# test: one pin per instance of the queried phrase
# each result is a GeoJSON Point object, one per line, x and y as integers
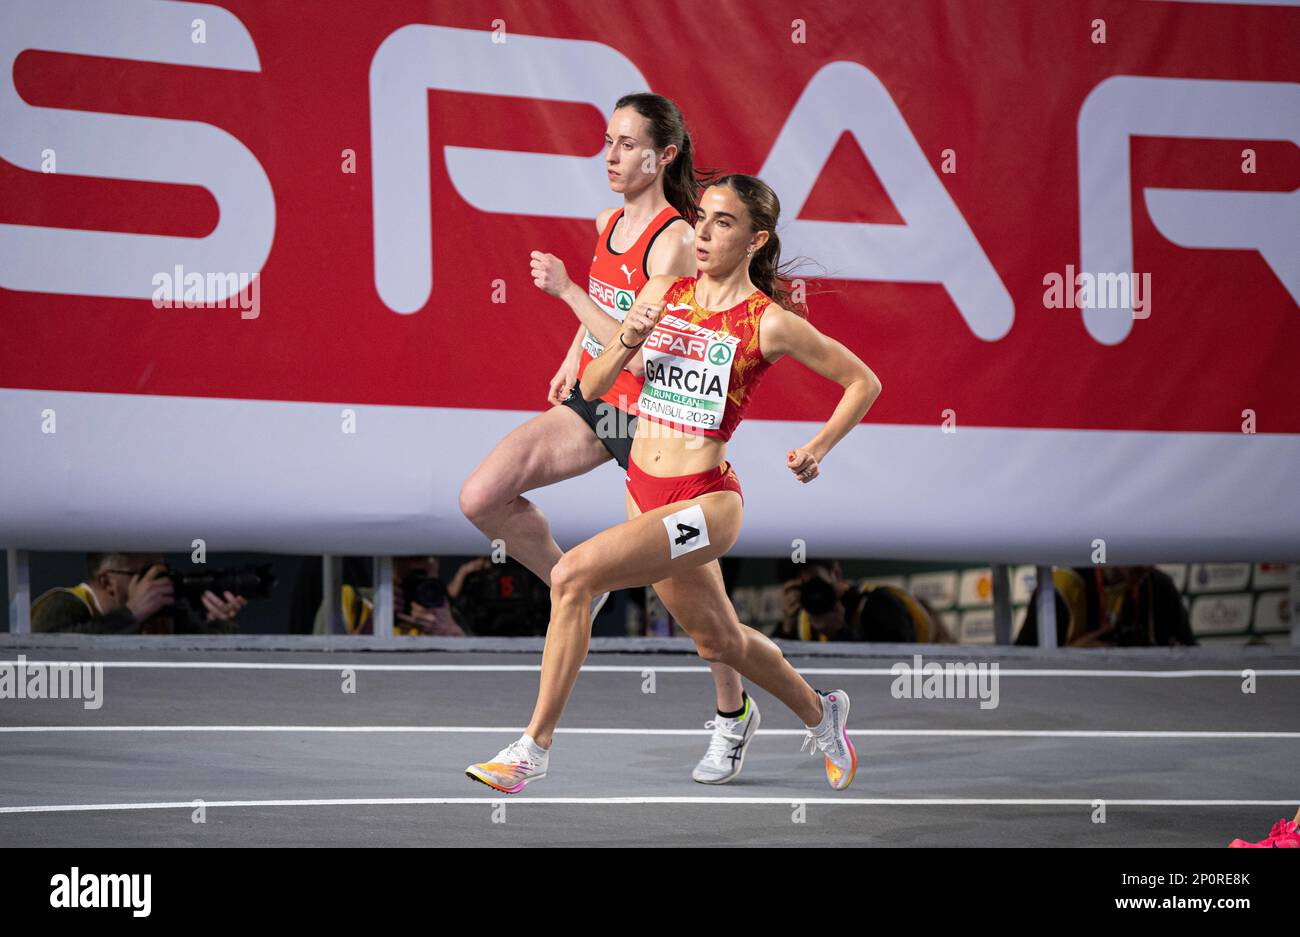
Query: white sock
{"type": "Point", "coordinates": [533, 746]}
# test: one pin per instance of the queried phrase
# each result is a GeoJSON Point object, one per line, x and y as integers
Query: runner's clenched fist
{"type": "Point", "coordinates": [640, 322]}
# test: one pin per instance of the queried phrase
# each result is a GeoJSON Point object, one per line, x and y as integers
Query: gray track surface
{"type": "Point", "coordinates": [50, 767]}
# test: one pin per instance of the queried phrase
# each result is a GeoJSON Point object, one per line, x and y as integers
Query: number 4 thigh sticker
{"type": "Point", "coordinates": [686, 531]}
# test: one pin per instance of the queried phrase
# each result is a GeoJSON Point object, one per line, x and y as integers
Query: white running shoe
{"type": "Point", "coordinates": [831, 738]}
{"type": "Point", "coordinates": [597, 604]}
{"type": "Point", "coordinates": [726, 754]}
{"type": "Point", "coordinates": [514, 766]}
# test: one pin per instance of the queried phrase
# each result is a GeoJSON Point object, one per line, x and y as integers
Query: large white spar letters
{"type": "Point", "coordinates": [118, 146]}
{"type": "Point", "coordinates": [416, 59]}
{"type": "Point", "coordinates": [1126, 106]}
{"type": "Point", "coordinates": [935, 245]}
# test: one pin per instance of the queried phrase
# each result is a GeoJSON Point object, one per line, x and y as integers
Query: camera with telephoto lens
{"type": "Point", "coordinates": [424, 590]}
{"type": "Point", "coordinates": [817, 596]}
{"type": "Point", "coordinates": [252, 581]}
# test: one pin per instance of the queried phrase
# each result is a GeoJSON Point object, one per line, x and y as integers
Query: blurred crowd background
{"type": "Point", "coordinates": [821, 599]}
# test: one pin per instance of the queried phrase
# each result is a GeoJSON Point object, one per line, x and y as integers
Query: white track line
{"type": "Point", "coordinates": [622, 801]}
{"type": "Point", "coordinates": [515, 730]}
{"type": "Point", "coordinates": [611, 668]}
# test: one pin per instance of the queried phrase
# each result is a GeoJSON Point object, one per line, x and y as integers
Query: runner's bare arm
{"type": "Point", "coordinates": [584, 307]}
{"type": "Point", "coordinates": [781, 332]}
{"type": "Point", "coordinates": [575, 347]}
{"type": "Point", "coordinates": [647, 309]}
{"type": "Point", "coordinates": [550, 276]}
{"type": "Point", "coordinates": [591, 316]}
{"type": "Point", "coordinates": [575, 296]}
{"type": "Point", "coordinates": [673, 253]}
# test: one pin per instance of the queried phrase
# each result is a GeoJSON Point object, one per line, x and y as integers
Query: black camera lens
{"type": "Point", "coordinates": [426, 591]}
{"type": "Point", "coordinates": [817, 596]}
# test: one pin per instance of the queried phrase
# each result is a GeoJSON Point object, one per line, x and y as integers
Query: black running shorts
{"type": "Point", "coordinates": [612, 426]}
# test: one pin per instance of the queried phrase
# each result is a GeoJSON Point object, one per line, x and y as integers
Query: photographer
{"type": "Point", "coordinates": [1112, 606]}
{"type": "Point", "coordinates": [421, 600]}
{"type": "Point", "coordinates": [820, 605]}
{"type": "Point", "coordinates": [130, 593]}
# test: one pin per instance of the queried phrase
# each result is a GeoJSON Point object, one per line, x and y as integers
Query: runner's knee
{"type": "Point", "coordinates": [572, 576]}
{"type": "Point", "coordinates": [479, 499]}
{"type": "Point", "coordinates": [719, 641]}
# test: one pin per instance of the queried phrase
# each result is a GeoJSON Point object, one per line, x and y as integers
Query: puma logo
{"type": "Point", "coordinates": [627, 273]}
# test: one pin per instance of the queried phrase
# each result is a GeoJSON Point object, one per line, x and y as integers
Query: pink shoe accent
{"type": "Point", "coordinates": [1284, 835]}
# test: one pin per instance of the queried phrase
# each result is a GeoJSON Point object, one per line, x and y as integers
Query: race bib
{"type": "Point", "coordinates": [614, 301]}
{"type": "Point", "coordinates": [687, 372]}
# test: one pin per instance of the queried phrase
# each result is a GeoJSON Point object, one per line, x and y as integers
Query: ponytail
{"type": "Point", "coordinates": [765, 267]}
{"type": "Point", "coordinates": [683, 182]}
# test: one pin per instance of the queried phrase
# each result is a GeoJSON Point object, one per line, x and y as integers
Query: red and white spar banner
{"type": "Point", "coordinates": [1065, 234]}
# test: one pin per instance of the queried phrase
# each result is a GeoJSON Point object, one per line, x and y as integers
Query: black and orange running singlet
{"type": "Point", "coordinates": [613, 284]}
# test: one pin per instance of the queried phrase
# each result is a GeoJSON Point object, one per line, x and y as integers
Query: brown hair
{"type": "Point", "coordinates": [683, 183]}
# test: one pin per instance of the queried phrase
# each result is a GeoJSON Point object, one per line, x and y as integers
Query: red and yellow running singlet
{"type": "Point", "coordinates": [702, 366]}
{"type": "Point", "coordinates": [613, 284]}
